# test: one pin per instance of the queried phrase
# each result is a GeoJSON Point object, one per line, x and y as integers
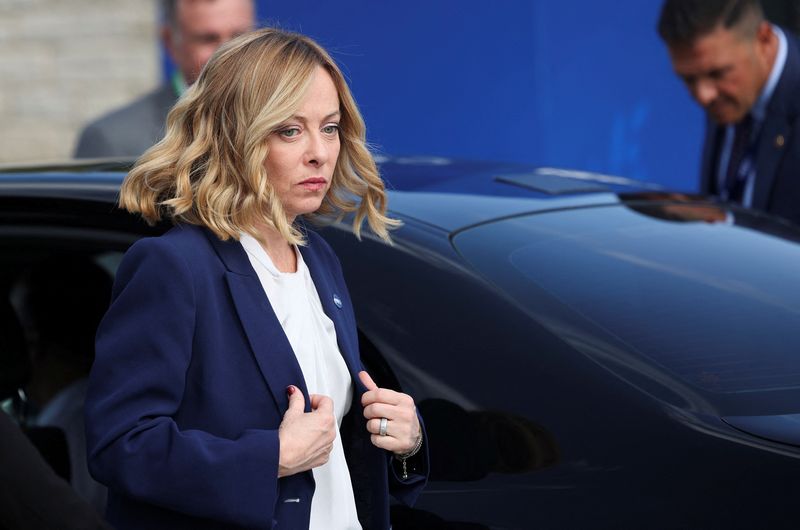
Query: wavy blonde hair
{"type": "Point", "coordinates": [209, 168]}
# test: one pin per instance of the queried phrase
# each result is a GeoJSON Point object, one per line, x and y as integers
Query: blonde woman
{"type": "Point", "coordinates": [227, 389]}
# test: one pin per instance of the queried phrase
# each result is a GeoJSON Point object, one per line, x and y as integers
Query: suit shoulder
{"type": "Point", "coordinates": [183, 254]}
{"type": "Point", "coordinates": [128, 130]}
{"type": "Point", "coordinates": [188, 239]}
{"type": "Point", "coordinates": [159, 98]}
{"type": "Point", "coordinates": [185, 241]}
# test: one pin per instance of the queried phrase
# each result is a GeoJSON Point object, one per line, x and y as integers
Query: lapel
{"type": "Point", "coordinates": [273, 353]}
{"type": "Point", "coordinates": [778, 126]}
{"type": "Point", "coordinates": [330, 291]}
{"type": "Point", "coordinates": [769, 155]}
{"type": "Point", "coordinates": [708, 169]}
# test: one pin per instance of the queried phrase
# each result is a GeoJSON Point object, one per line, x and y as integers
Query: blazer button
{"type": "Point", "coordinates": [337, 301]}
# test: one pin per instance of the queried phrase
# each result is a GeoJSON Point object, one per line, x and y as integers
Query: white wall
{"type": "Point", "coordinates": [63, 62]}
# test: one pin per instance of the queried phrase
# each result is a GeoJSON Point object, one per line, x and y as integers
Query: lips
{"type": "Point", "coordinates": [313, 183]}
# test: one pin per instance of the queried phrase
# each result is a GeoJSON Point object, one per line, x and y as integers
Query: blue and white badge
{"type": "Point", "coordinates": [337, 301]}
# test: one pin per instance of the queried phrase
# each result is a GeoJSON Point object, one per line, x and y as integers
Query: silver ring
{"type": "Point", "coordinates": [384, 425]}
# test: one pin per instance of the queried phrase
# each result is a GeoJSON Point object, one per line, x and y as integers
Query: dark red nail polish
{"type": "Point", "coordinates": [290, 389]}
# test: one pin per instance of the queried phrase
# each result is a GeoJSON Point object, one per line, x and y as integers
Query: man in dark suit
{"type": "Point", "coordinates": [745, 73]}
{"type": "Point", "coordinates": [191, 32]}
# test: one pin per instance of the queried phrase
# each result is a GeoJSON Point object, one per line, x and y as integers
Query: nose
{"type": "Point", "coordinates": [705, 92]}
{"type": "Point", "coordinates": [317, 149]}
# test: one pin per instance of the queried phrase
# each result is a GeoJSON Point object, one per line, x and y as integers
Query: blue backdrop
{"type": "Point", "coordinates": [574, 83]}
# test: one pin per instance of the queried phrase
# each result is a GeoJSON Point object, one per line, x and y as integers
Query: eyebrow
{"type": "Point", "coordinates": [328, 117]}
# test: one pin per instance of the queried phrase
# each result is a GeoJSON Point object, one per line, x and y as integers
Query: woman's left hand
{"type": "Point", "coordinates": [402, 425]}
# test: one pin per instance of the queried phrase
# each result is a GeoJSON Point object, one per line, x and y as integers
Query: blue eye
{"type": "Point", "coordinates": [289, 133]}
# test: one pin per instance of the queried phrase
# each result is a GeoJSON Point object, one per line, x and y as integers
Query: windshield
{"type": "Point", "coordinates": [715, 303]}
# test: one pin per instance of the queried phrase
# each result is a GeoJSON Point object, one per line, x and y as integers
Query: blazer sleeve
{"type": "Point", "coordinates": [143, 350]}
{"type": "Point", "coordinates": [418, 467]}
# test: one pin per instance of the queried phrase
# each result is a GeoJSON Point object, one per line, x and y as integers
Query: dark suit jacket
{"type": "Point", "coordinates": [189, 387]}
{"type": "Point", "coordinates": [128, 131]}
{"type": "Point", "coordinates": [777, 186]}
{"type": "Point", "coordinates": [32, 496]}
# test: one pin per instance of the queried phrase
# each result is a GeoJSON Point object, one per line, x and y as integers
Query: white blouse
{"type": "Point", "coordinates": [313, 338]}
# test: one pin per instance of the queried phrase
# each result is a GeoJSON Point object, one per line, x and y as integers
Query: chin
{"type": "Point", "coordinates": [723, 119]}
{"type": "Point", "coordinates": [307, 208]}
{"type": "Point", "coordinates": [727, 116]}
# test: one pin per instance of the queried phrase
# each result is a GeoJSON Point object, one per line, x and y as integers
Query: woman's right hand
{"type": "Point", "coordinates": [306, 438]}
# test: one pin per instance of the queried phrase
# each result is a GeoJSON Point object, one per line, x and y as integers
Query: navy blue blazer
{"type": "Point", "coordinates": [189, 387]}
{"type": "Point", "coordinates": [777, 186]}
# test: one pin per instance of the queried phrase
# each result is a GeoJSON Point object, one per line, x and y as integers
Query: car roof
{"type": "Point", "coordinates": [454, 194]}
{"type": "Point", "coordinates": [442, 192]}
{"type": "Point", "coordinates": [96, 180]}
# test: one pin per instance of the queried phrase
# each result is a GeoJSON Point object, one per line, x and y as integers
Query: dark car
{"type": "Point", "coordinates": [586, 351]}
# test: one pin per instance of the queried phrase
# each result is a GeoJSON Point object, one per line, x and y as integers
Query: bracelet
{"type": "Point", "coordinates": [402, 458]}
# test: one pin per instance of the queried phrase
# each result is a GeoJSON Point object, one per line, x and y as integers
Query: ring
{"type": "Point", "coordinates": [384, 425]}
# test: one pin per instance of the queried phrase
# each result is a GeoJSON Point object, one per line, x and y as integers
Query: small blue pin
{"type": "Point", "coordinates": [337, 301]}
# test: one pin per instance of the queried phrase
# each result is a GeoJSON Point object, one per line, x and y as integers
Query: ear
{"type": "Point", "coordinates": [766, 44]}
{"type": "Point", "coordinates": [764, 35]}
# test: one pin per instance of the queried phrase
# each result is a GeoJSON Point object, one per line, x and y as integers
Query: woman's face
{"type": "Point", "coordinates": [303, 150]}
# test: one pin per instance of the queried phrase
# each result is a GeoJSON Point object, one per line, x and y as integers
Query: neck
{"type": "Point", "coordinates": [278, 249]}
{"type": "Point", "coordinates": [772, 51]}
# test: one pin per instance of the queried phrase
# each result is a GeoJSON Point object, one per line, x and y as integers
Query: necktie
{"type": "Point", "coordinates": [736, 178]}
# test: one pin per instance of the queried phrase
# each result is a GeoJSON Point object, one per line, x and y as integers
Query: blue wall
{"type": "Point", "coordinates": [573, 83]}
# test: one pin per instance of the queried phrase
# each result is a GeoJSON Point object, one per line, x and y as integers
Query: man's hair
{"type": "Point", "coordinates": [209, 168]}
{"type": "Point", "coordinates": [169, 13]}
{"type": "Point", "coordinates": [682, 22]}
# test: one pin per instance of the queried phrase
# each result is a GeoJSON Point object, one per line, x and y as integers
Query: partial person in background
{"type": "Point", "coordinates": [192, 30]}
{"type": "Point", "coordinates": [745, 73]}
{"type": "Point", "coordinates": [32, 496]}
{"type": "Point", "coordinates": [60, 303]}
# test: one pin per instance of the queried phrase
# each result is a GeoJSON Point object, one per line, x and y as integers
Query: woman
{"type": "Point", "coordinates": [228, 360]}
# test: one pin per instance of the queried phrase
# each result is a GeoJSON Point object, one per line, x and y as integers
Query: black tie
{"type": "Point", "coordinates": [735, 179]}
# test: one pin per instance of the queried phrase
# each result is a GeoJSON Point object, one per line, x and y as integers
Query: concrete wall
{"type": "Point", "coordinates": [63, 62]}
